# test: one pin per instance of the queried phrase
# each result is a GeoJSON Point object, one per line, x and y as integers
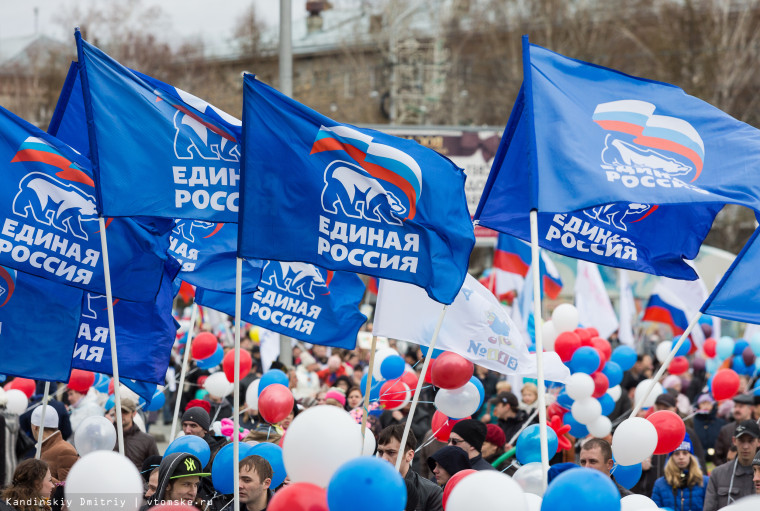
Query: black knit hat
{"type": "Point", "coordinates": [472, 431]}
{"type": "Point", "coordinates": [199, 416]}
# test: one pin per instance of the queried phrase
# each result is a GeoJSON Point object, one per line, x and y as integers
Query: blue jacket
{"type": "Point", "coordinates": [683, 499]}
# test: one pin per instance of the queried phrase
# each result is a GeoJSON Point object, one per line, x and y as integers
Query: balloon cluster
{"type": "Point", "coordinates": [271, 396]}
{"type": "Point", "coordinates": [727, 359]}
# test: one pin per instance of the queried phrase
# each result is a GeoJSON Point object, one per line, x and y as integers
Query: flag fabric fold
{"type": "Point", "coordinates": [675, 303]}
{"type": "Point", "coordinates": [592, 301]}
{"type": "Point", "coordinates": [627, 309]}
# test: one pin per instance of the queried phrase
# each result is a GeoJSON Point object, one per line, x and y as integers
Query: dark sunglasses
{"type": "Point", "coordinates": [454, 441]}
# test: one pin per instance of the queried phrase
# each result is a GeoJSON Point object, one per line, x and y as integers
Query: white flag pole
{"type": "Point", "coordinates": [45, 397]}
{"type": "Point", "coordinates": [236, 393]}
{"type": "Point", "coordinates": [368, 386]}
{"type": "Point", "coordinates": [112, 335]}
{"type": "Point", "coordinates": [543, 439]}
{"type": "Point", "coordinates": [183, 371]}
{"type": "Point", "coordinates": [420, 381]}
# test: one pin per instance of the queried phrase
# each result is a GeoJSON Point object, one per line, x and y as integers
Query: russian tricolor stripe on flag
{"type": "Point", "coordinates": [660, 311]}
{"type": "Point", "coordinates": [511, 255]}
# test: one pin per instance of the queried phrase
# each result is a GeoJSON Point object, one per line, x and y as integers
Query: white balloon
{"type": "Point", "coordinates": [370, 444]}
{"type": "Point", "coordinates": [663, 350]}
{"type": "Point", "coordinates": [3, 398]}
{"type": "Point", "coordinates": [217, 385]}
{"type": "Point", "coordinates": [615, 392]}
{"type": "Point", "coordinates": [16, 401]}
{"type": "Point", "coordinates": [634, 440]}
{"type": "Point", "coordinates": [579, 386]}
{"type": "Point", "coordinates": [381, 355]}
{"type": "Point", "coordinates": [641, 389]}
{"type": "Point", "coordinates": [487, 489]}
{"type": "Point", "coordinates": [319, 441]}
{"type": "Point", "coordinates": [549, 335]}
{"type": "Point", "coordinates": [750, 503]}
{"type": "Point", "coordinates": [534, 502]}
{"type": "Point", "coordinates": [530, 477]}
{"type": "Point", "coordinates": [100, 476]}
{"type": "Point", "coordinates": [458, 403]}
{"type": "Point", "coordinates": [587, 410]}
{"type": "Point", "coordinates": [565, 318]}
{"type": "Point", "coordinates": [95, 433]}
{"type": "Point", "coordinates": [252, 394]}
{"type": "Point", "coordinates": [635, 502]}
{"type": "Point", "coordinates": [601, 427]}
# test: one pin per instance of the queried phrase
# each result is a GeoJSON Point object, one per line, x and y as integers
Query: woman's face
{"type": "Point", "coordinates": [529, 397]}
{"type": "Point", "coordinates": [47, 485]}
{"type": "Point", "coordinates": [285, 423]}
{"type": "Point", "coordinates": [488, 449]}
{"type": "Point", "coordinates": [682, 459]}
{"type": "Point", "coordinates": [354, 399]}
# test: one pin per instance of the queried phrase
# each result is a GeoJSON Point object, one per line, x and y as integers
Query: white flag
{"type": "Point", "coordinates": [591, 300]}
{"type": "Point", "coordinates": [475, 326]}
{"type": "Point", "coordinates": [627, 309]}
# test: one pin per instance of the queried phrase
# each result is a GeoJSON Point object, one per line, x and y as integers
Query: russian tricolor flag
{"type": "Point", "coordinates": [665, 306]}
{"type": "Point", "coordinates": [511, 261]}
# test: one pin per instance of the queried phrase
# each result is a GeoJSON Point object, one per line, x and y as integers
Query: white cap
{"type": "Point", "coordinates": [51, 417]}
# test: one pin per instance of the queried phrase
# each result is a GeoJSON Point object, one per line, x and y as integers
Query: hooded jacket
{"type": "Point", "coordinates": [165, 471]}
{"type": "Point", "coordinates": [452, 459]}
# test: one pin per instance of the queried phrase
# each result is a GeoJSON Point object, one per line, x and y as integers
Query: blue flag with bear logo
{"type": "Point", "coordinates": [623, 171]}
{"type": "Point", "coordinates": [49, 219]}
{"type": "Point", "coordinates": [38, 326]}
{"type": "Point", "coordinates": [349, 199]}
{"type": "Point", "coordinates": [156, 150]}
{"type": "Point", "coordinates": [300, 300]}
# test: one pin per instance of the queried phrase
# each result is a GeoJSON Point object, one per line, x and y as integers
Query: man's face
{"type": "Point", "coordinates": [152, 484]}
{"type": "Point", "coordinates": [458, 441]}
{"type": "Point", "coordinates": [183, 489]}
{"type": "Point", "coordinates": [500, 409]}
{"type": "Point", "coordinates": [127, 418]}
{"type": "Point", "coordinates": [251, 485]}
{"type": "Point", "coordinates": [742, 412]}
{"type": "Point", "coordinates": [592, 458]}
{"type": "Point", "coordinates": [441, 476]}
{"type": "Point", "coordinates": [390, 451]}
{"type": "Point", "coordinates": [193, 428]}
{"type": "Point", "coordinates": [756, 477]}
{"type": "Point", "coordinates": [746, 446]}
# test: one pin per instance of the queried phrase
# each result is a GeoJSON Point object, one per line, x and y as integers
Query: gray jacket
{"type": "Point", "coordinates": [720, 482]}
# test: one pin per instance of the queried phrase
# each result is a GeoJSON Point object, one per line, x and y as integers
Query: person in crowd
{"type": "Point", "coordinates": [64, 421]}
{"type": "Point", "coordinates": [469, 435]}
{"type": "Point", "coordinates": [707, 424]}
{"type": "Point", "coordinates": [255, 478]}
{"type": "Point", "coordinates": [343, 383]}
{"type": "Point", "coordinates": [756, 472]}
{"type": "Point", "coordinates": [178, 480]}
{"type": "Point", "coordinates": [138, 446]}
{"type": "Point", "coordinates": [220, 408]}
{"type": "Point", "coordinates": [30, 488]}
{"type": "Point", "coordinates": [641, 370]}
{"type": "Point", "coordinates": [446, 462]}
{"type": "Point", "coordinates": [307, 379]}
{"type": "Point", "coordinates": [731, 481]}
{"type": "Point", "coordinates": [742, 411]}
{"type": "Point", "coordinates": [149, 473]}
{"type": "Point", "coordinates": [529, 394]}
{"type": "Point", "coordinates": [596, 453]}
{"type": "Point", "coordinates": [430, 445]}
{"type": "Point", "coordinates": [683, 485]}
{"type": "Point", "coordinates": [59, 455]}
{"type": "Point", "coordinates": [489, 380]}
{"type": "Point", "coordinates": [673, 386]}
{"type": "Point", "coordinates": [335, 397]}
{"type": "Point", "coordinates": [510, 418]}
{"type": "Point", "coordinates": [422, 494]}
{"type": "Point", "coordinates": [333, 371]}
{"type": "Point", "coordinates": [82, 405]}
{"type": "Point", "coordinates": [196, 421]}
{"type": "Point", "coordinates": [493, 446]}
{"type": "Point", "coordinates": [354, 398]}
{"type": "Point", "coordinates": [667, 402]}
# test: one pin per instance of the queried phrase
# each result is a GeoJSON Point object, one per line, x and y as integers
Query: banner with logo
{"type": "Point", "coordinates": [156, 150]}
{"type": "Point", "coordinates": [300, 300]}
{"type": "Point", "coordinates": [145, 333]}
{"type": "Point", "coordinates": [624, 171]}
{"type": "Point", "coordinates": [49, 219]}
{"type": "Point", "coordinates": [349, 199]}
{"type": "Point", "coordinates": [38, 326]}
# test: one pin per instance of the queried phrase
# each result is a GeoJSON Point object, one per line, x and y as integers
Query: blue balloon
{"type": "Point", "coordinates": [424, 349]}
{"type": "Point", "coordinates": [577, 429]}
{"type": "Point", "coordinates": [756, 390]}
{"type": "Point", "coordinates": [724, 347]}
{"type": "Point", "coordinates": [628, 476]}
{"type": "Point", "coordinates": [581, 488]}
{"type": "Point", "coordinates": [191, 444]}
{"type": "Point", "coordinates": [101, 382]}
{"type": "Point", "coordinates": [273, 454]}
{"type": "Point", "coordinates": [374, 394]}
{"type": "Point", "coordinates": [624, 356]}
{"type": "Point", "coordinates": [684, 349]}
{"type": "Point", "coordinates": [212, 361]}
{"type": "Point", "coordinates": [109, 402]}
{"type": "Point", "coordinates": [222, 470]}
{"type": "Point", "coordinates": [613, 372]}
{"type": "Point", "coordinates": [585, 360]}
{"type": "Point", "coordinates": [392, 367]}
{"type": "Point", "coordinates": [158, 401]}
{"type": "Point", "coordinates": [272, 376]}
{"type": "Point", "coordinates": [4, 377]}
{"type": "Point", "coordinates": [529, 446]}
{"type": "Point", "coordinates": [564, 400]}
{"type": "Point", "coordinates": [480, 388]}
{"type": "Point", "coordinates": [370, 481]}
{"type": "Point", "coordinates": [739, 347]}
{"type": "Point", "coordinates": [712, 365]}
{"type": "Point", "coordinates": [608, 404]}
{"type": "Point", "coordinates": [705, 320]}
{"type": "Point", "coordinates": [754, 345]}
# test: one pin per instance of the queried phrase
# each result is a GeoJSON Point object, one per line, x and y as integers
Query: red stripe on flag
{"type": "Point", "coordinates": [661, 315]}
{"type": "Point", "coordinates": [510, 262]}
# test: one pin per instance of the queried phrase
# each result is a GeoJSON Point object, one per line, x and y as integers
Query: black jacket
{"type": "Point", "coordinates": [422, 495]}
{"type": "Point", "coordinates": [707, 427]}
{"type": "Point", "coordinates": [451, 458]}
{"type": "Point", "coordinates": [478, 463]}
{"type": "Point", "coordinates": [512, 425]}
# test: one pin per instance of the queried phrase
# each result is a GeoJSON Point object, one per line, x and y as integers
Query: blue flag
{"type": "Point", "coordinates": [623, 171]}
{"type": "Point", "coordinates": [735, 297]}
{"type": "Point", "coordinates": [351, 199]}
{"type": "Point", "coordinates": [301, 301]}
{"type": "Point", "coordinates": [145, 333]}
{"type": "Point", "coordinates": [207, 252]}
{"type": "Point", "coordinates": [181, 153]}
{"type": "Point", "coordinates": [38, 326]}
{"type": "Point", "coordinates": [49, 220]}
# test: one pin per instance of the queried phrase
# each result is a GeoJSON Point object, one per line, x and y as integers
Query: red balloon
{"type": "Point", "coordinates": [410, 379]}
{"type": "Point", "coordinates": [27, 386]}
{"type": "Point", "coordinates": [593, 331]}
{"type": "Point", "coordinates": [709, 347]}
{"type": "Point", "coordinates": [453, 482]}
{"type": "Point", "coordinates": [275, 403]}
{"type": "Point", "coordinates": [725, 384]}
{"type": "Point", "coordinates": [584, 335]}
{"type": "Point", "coordinates": [299, 497]}
{"type": "Point", "coordinates": [451, 370]}
{"type": "Point", "coordinates": [603, 345]}
{"type": "Point", "coordinates": [442, 426]}
{"type": "Point", "coordinates": [110, 386]}
{"type": "Point", "coordinates": [203, 345]}
{"type": "Point", "coordinates": [228, 364]}
{"type": "Point", "coordinates": [81, 381]}
{"type": "Point", "coordinates": [555, 410]}
{"type": "Point", "coordinates": [670, 430]}
{"type": "Point", "coordinates": [393, 393]}
{"type": "Point", "coordinates": [678, 365]}
{"type": "Point", "coordinates": [429, 372]}
{"type": "Point", "coordinates": [566, 344]}
{"type": "Point", "coordinates": [601, 384]}
{"type": "Point", "coordinates": [201, 380]}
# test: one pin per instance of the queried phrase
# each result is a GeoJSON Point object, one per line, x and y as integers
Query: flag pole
{"type": "Point", "coordinates": [183, 371]}
{"type": "Point", "coordinates": [236, 393]}
{"type": "Point", "coordinates": [420, 381]}
{"type": "Point", "coordinates": [664, 366]}
{"type": "Point", "coordinates": [368, 386]}
{"type": "Point", "coordinates": [45, 397]}
{"type": "Point", "coordinates": [112, 335]}
{"type": "Point", "coordinates": [537, 298]}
